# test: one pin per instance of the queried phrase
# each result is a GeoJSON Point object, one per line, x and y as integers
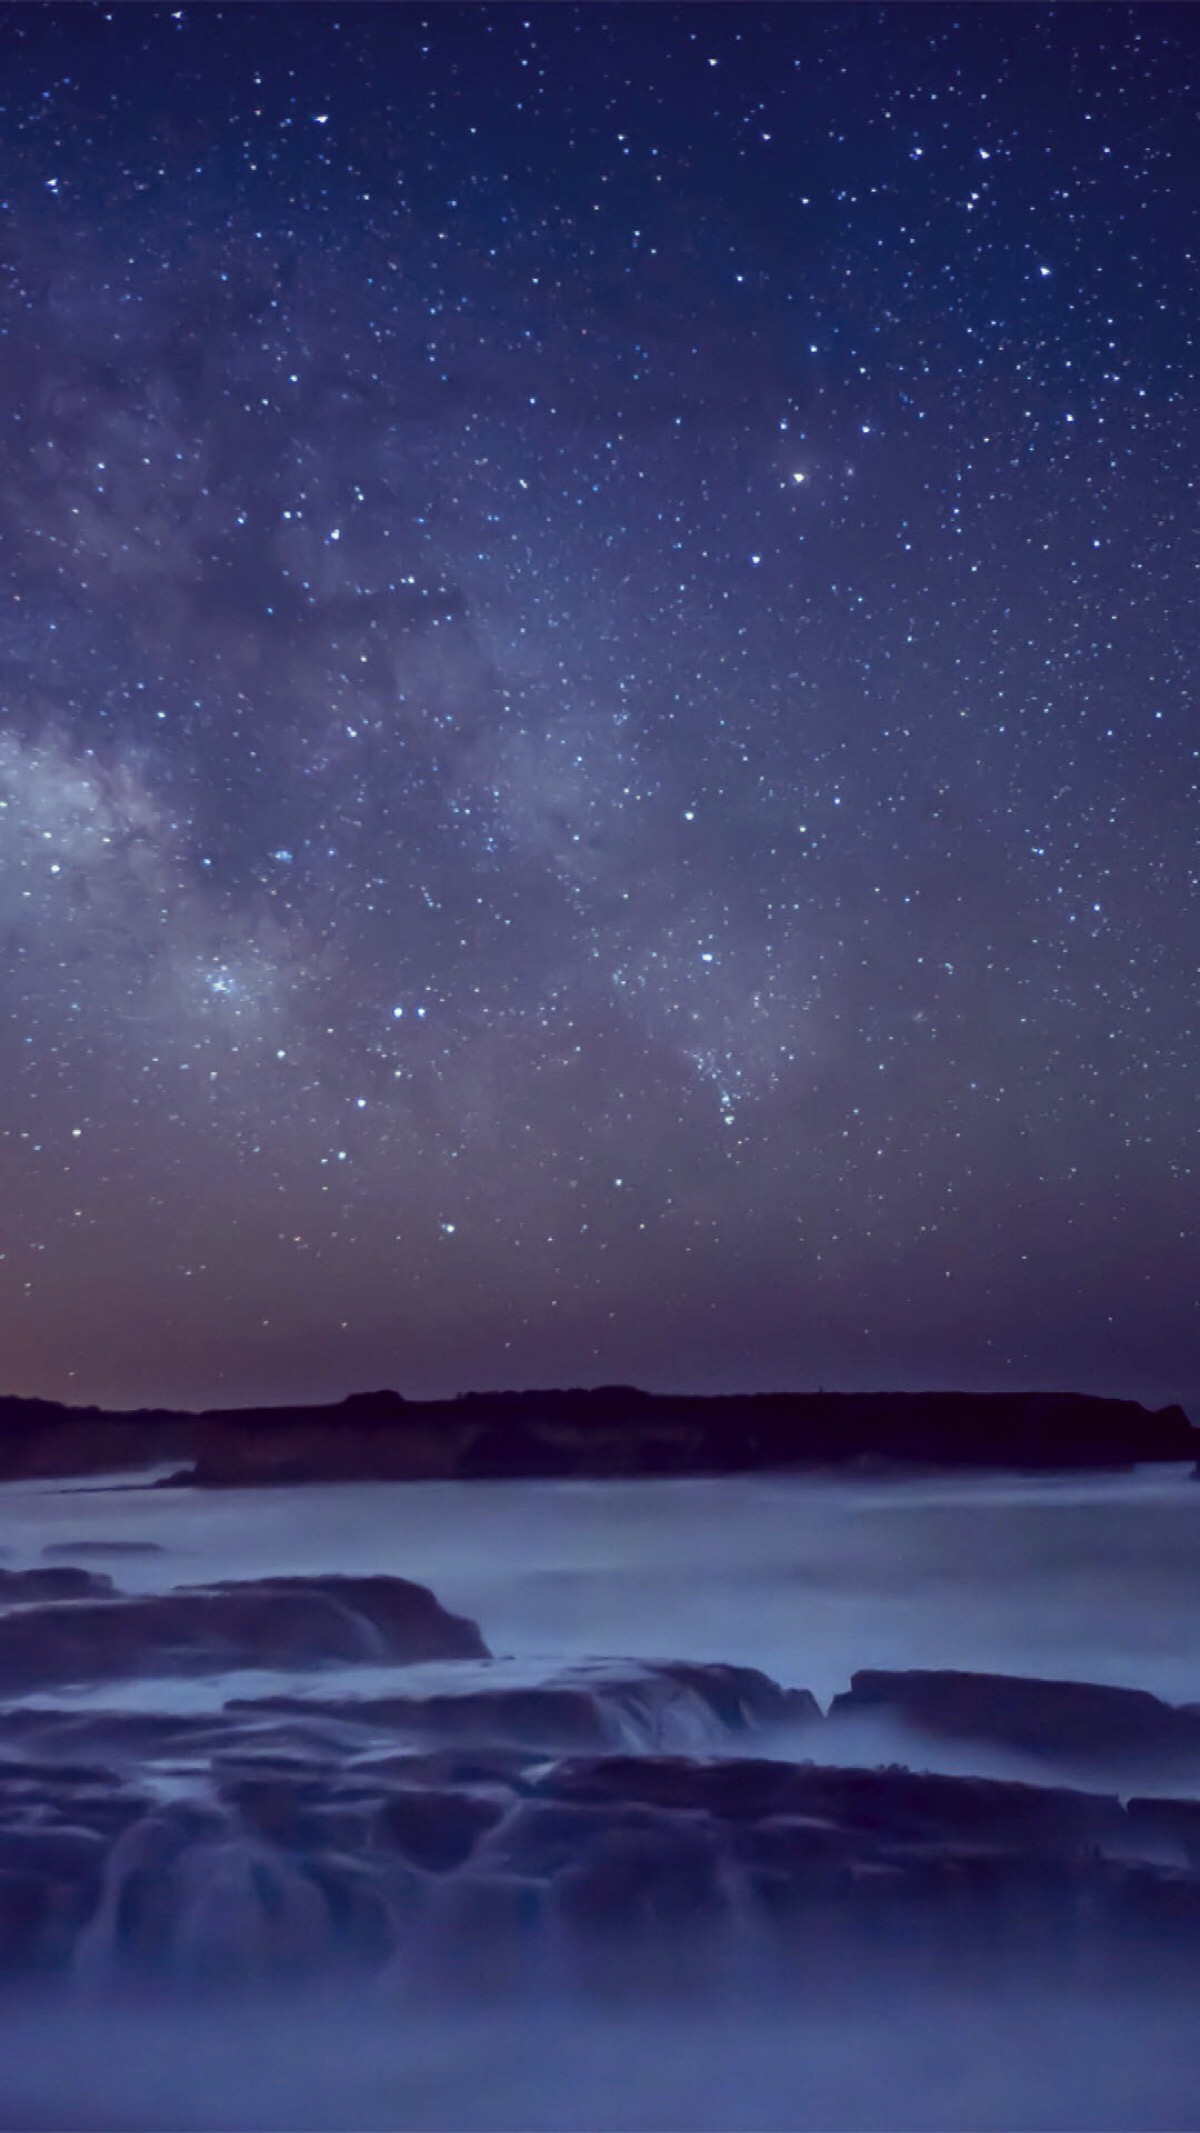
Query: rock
{"type": "Point", "coordinates": [408, 1622]}
{"type": "Point", "coordinates": [620, 1863]}
{"type": "Point", "coordinates": [268, 1622]}
{"type": "Point", "coordinates": [25, 1900]}
{"type": "Point", "coordinates": [741, 1697]}
{"type": "Point", "coordinates": [631, 1868]}
{"type": "Point", "coordinates": [244, 1910]}
{"type": "Point", "coordinates": [191, 1898]}
{"type": "Point", "coordinates": [499, 1771]}
{"type": "Point", "coordinates": [608, 1704]}
{"type": "Point", "coordinates": [542, 1838]}
{"type": "Point", "coordinates": [1172, 1825]}
{"type": "Point", "coordinates": [435, 1830]}
{"type": "Point", "coordinates": [21, 1588]}
{"type": "Point", "coordinates": [300, 1811]}
{"type": "Point", "coordinates": [1143, 1926]}
{"type": "Point", "coordinates": [50, 1881]}
{"type": "Point", "coordinates": [484, 1934]}
{"type": "Point", "coordinates": [1073, 1720]}
{"type": "Point", "coordinates": [878, 1810]}
{"type": "Point", "coordinates": [122, 1736]}
{"type": "Point", "coordinates": [553, 1718]}
{"type": "Point", "coordinates": [369, 1912]}
{"type": "Point", "coordinates": [58, 1851]}
{"type": "Point", "coordinates": [665, 1874]}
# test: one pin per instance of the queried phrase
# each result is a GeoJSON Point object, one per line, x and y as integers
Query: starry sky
{"type": "Point", "coordinates": [598, 744]}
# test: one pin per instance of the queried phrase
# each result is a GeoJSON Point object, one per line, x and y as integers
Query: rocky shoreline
{"type": "Point", "coordinates": [467, 1826]}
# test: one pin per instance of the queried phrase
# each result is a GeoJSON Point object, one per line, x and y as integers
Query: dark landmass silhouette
{"type": "Point", "coordinates": [607, 1431]}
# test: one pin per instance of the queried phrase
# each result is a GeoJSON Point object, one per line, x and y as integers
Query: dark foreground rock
{"type": "Point", "coordinates": [18, 1588]}
{"type": "Point", "coordinates": [886, 1809]}
{"type": "Point", "coordinates": [1171, 1827]}
{"type": "Point", "coordinates": [643, 1705]}
{"type": "Point", "coordinates": [618, 1823]}
{"type": "Point", "coordinates": [1072, 1721]}
{"type": "Point", "coordinates": [268, 1622]}
{"type": "Point", "coordinates": [607, 1868]}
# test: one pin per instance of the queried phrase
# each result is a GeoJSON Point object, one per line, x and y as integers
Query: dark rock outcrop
{"type": "Point", "coordinates": [893, 1809]}
{"type": "Point", "coordinates": [635, 1705]}
{"type": "Point", "coordinates": [1073, 1721]}
{"type": "Point", "coordinates": [268, 1622]}
{"type": "Point", "coordinates": [19, 1588]}
{"type": "Point", "coordinates": [270, 1861]}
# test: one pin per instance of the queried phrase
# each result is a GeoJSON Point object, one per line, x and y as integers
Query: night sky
{"type": "Point", "coordinates": [598, 744]}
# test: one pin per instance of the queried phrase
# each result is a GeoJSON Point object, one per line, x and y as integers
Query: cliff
{"type": "Point", "coordinates": [602, 1431]}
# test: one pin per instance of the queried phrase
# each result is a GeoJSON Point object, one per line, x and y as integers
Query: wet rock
{"type": "Point", "coordinates": [25, 1898]}
{"type": "Point", "coordinates": [623, 1883]}
{"type": "Point", "coordinates": [404, 1621]}
{"type": "Point", "coordinates": [435, 1830]}
{"type": "Point", "coordinates": [1073, 1720]}
{"type": "Point", "coordinates": [298, 1811]}
{"type": "Point", "coordinates": [20, 1588]}
{"type": "Point", "coordinates": [876, 1808]}
{"type": "Point", "coordinates": [1172, 1825]}
{"type": "Point", "coordinates": [494, 1769]}
{"type": "Point", "coordinates": [29, 1773]}
{"type": "Point", "coordinates": [61, 1851]}
{"type": "Point", "coordinates": [189, 1897]}
{"type": "Point", "coordinates": [484, 1934]}
{"type": "Point", "coordinates": [554, 1717]}
{"type": "Point", "coordinates": [370, 1913]}
{"type": "Point", "coordinates": [740, 1696]}
{"type": "Point", "coordinates": [246, 1910]}
{"type": "Point", "coordinates": [122, 1737]}
{"type": "Point", "coordinates": [1143, 1926]}
{"type": "Point", "coordinates": [517, 1721]}
{"type": "Point", "coordinates": [50, 1882]}
{"type": "Point", "coordinates": [542, 1838]}
{"type": "Point", "coordinates": [633, 1878]}
{"type": "Point", "coordinates": [608, 1705]}
{"type": "Point", "coordinates": [268, 1622]}
{"type": "Point", "coordinates": [55, 1805]}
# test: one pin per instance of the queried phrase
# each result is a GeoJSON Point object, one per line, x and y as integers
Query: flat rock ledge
{"type": "Point", "coordinates": [621, 1825]}
{"type": "Point", "coordinates": [84, 1632]}
{"type": "Point", "coordinates": [1071, 1721]}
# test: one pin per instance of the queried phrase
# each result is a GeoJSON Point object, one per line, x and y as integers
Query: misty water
{"type": "Point", "coordinates": [807, 1578]}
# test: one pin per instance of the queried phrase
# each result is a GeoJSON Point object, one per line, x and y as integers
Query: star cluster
{"type": "Point", "coordinates": [598, 750]}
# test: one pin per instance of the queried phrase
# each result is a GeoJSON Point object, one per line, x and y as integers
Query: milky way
{"type": "Point", "coordinates": [598, 750]}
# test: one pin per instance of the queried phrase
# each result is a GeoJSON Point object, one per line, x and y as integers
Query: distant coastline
{"type": "Point", "coordinates": [608, 1431]}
